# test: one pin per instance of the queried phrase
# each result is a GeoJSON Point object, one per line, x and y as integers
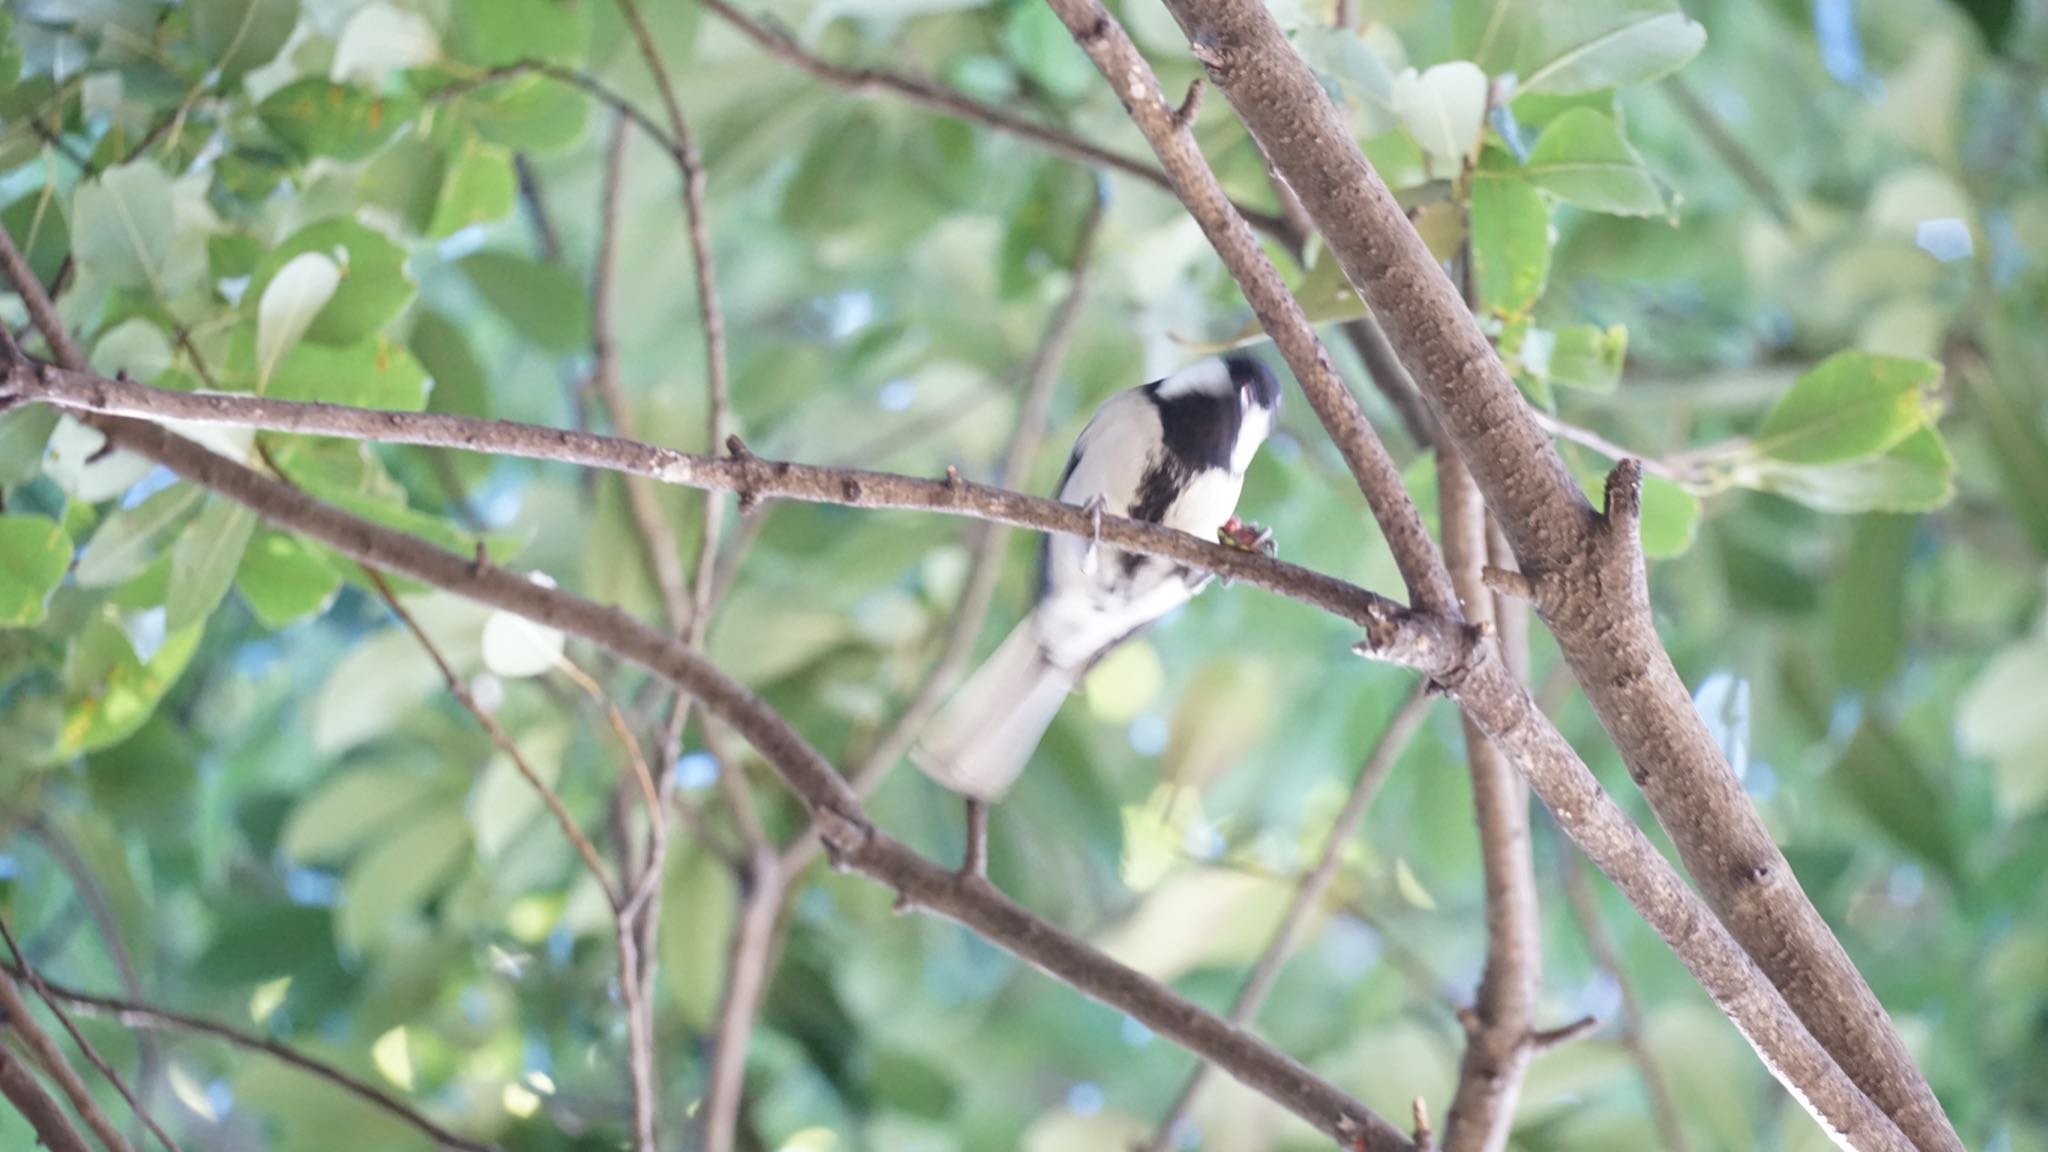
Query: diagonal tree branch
{"type": "Point", "coordinates": [34, 980]}
{"type": "Point", "coordinates": [1251, 995]}
{"type": "Point", "coordinates": [53, 1128]}
{"type": "Point", "coordinates": [15, 1017]}
{"type": "Point", "coordinates": [1586, 569]}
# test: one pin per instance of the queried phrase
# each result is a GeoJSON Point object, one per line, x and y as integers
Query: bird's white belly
{"type": "Point", "coordinates": [1209, 500]}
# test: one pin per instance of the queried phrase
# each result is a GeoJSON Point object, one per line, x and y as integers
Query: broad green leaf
{"type": "Point", "coordinates": [294, 296]}
{"type": "Point", "coordinates": [2019, 446]}
{"type": "Point", "coordinates": [1510, 244]}
{"type": "Point", "coordinates": [544, 303]}
{"type": "Point", "coordinates": [503, 803]}
{"type": "Point", "coordinates": [2001, 719]}
{"type": "Point", "coordinates": [1852, 406]}
{"type": "Point", "coordinates": [1917, 475]}
{"type": "Point", "coordinates": [491, 33]}
{"type": "Point", "coordinates": [111, 691]}
{"type": "Point", "coordinates": [381, 39]}
{"type": "Point", "coordinates": [204, 562]}
{"type": "Point", "coordinates": [479, 189]}
{"type": "Point", "coordinates": [282, 579]}
{"type": "Point", "coordinates": [1561, 47]}
{"type": "Point", "coordinates": [1869, 608]}
{"type": "Point", "coordinates": [373, 374]}
{"type": "Point", "coordinates": [1671, 518]}
{"type": "Point", "coordinates": [1582, 159]}
{"type": "Point", "coordinates": [1582, 356]}
{"type": "Point", "coordinates": [354, 809]}
{"type": "Point", "coordinates": [693, 961]}
{"type": "Point", "coordinates": [1348, 66]}
{"type": "Point", "coordinates": [444, 351]}
{"type": "Point", "coordinates": [23, 434]}
{"type": "Point", "coordinates": [34, 555]}
{"type": "Point", "coordinates": [37, 224]}
{"type": "Point", "coordinates": [528, 114]}
{"type": "Point", "coordinates": [1882, 778]}
{"type": "Point", "coordinates": [385, 676]}
{"type": "Point", "coordinates": [1034, 37]}
{"type": "Point", "coordinates": [10, 54]}
{"type": "Point", "coordinates": [405, 180]}
{"type": "Point", "coordinates": [390, 882]}
{"type": "Point", "coordinates": [127, 541]}
{"type": "Point", "coordinates": [1443, 109]}
{"type": "Point", "coordinates": [1196, 917]}
{"type": "Point", "coordinates": [122, 225]}
{"type": "Point", "coordinates": [374, 286]}
{"type": "Point", "coordinates": [315, 117]}
{"type": "Point", "coordinates": [239, 36]}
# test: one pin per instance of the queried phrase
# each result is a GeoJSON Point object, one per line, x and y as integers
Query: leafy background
{"type": "Point", "coordinates": [217, 748]}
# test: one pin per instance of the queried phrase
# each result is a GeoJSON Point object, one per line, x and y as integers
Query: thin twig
{"type": "Point", "coordinates": [136, 1014]}
{"type": "Point", "coordinates": [1587, 438]}
{"type": "Point", "coordinates": [30, 977]}
{"type": "Point", "coordinates": [1401, 728]}
{"type": "Point", "coordinates": [1728, 148]}
{"type": "Point", "coordinates": [499, 737]}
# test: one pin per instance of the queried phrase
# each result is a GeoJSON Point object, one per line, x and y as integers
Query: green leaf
{"type": "Point", "coordinates": [239, 36]}
{"type": "Point", "coordinates": [10, 53]}
{"type": "Point", "coordinates": [131, 538]}
{"type": "Point", "coordinates": [1582, 356]}
{"type": "Point", "coordinates": [1510, 244]}
{"type": "Point", "coordinates": [203, 563]}
{"type": "Point", "coordinates": [529, 114]}
{"type": "Point", "coordinates": [1443, 110]}
{"type": "Point", "coordinates": [374, 374]}
{"type": "Point", "coordinates": [1869, 624]}
{"type": "Point", "coordinates": [121, 225]}
{"type": "Point", "coordinates": [1917, 475]}
{"type": "Point", "coordinates": [695, 959]}
{"type": "Point", "coordinates": [1561, 47]}
{"type": "Point", "coordinates": [294, 296]}
{"type": "Point", "coordinates": [444, 351]}
{"type": "Point", "coordinates": [353, 810]}
{"type": "Point", "coordinates": [398, 874]}
{"type": "Point", "coordinates": [1582, 159]}
{"type": "Point", "coordinates": [23, 434]}
{"type": "Point", "coordinates": [1043, 48]}
{"type": "Point", "coordinates": [34, 555]}
{"type": "Point", "coordinates": [374, 285]}
{"type": "Point", "coordinates": [36, 223]}
{"type": "Point", "coordinates": [110, 691]}
{"type": "Point", "coordinates": [2001, 719]}
{"type": "Point", "coordinates": [405, 180]}
{"type": "Point", "coordinates": [490, 33]}
{"type": "Point", "coordinates": [480, 188]}
{"type": "Point", "coordinates": [1886, 782]}
{"type": "Point", "coordinates": [503, 803]}
{"type": "Point", "coordinates": [1853, 405]}
{"type": "Point", "coordinates": [316, 117]}
{"type": "Point", "coordinates": [1670, 518]}
{"type": "Point", "coordinates": [282, 579]}
{"type": "Point", "coordinates": [544, 303]}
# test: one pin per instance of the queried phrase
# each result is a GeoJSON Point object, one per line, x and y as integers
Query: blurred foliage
{"type": "Point", "coordinates": [1808, 282]}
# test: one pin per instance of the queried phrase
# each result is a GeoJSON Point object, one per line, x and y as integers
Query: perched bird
{"type": "Point", "coordinates": [1172, 452]}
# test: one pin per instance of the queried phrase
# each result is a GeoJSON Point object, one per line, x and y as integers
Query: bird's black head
{"type": "Point", "coordinates": [1255, 381]}
{"type": "Point", "coordinates": [1216, 412]}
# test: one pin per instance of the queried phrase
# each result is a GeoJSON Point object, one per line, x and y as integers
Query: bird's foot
{"type": "Point", "coordinates": [1247, 537]}
{"type": "Point", "coordinates": [1091, 557]}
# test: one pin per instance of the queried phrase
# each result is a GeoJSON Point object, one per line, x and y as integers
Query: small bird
{"type": "Point", "coordinates": [1172, 452]}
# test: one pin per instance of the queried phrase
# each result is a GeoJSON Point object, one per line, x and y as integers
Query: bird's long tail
{"type": "Point", "coordinates": [981, 740]}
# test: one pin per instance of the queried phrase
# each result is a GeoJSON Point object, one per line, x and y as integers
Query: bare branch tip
{"type": "Point", "coordinates": [1508, 582]}
{"type": "Point", "coordinates": [1625, 493]}
{"type": "Point", "coordinates": [1549, 1038]}
{"type": "Point", "coordinates": [1190, 105]}
{"type": "Point", "coordinates": [1425, 1138]}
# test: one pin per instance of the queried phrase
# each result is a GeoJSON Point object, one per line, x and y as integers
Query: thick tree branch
{"type": "Point", "coordinates": [135, 1014]}
{"type": "Point", "coordinates": [1597, 606]}
{"type": "Point", "coordinates": [54, 1129]}
{"type": "Point", "coordinates": [1401, 728]}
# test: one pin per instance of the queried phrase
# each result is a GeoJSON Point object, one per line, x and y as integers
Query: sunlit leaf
{"type": "Point", "coordinates": [129, 539]}
{"type": "Point", "coordinates": [1583, 159]}
{"type": "Point", "coordinates": [238, 36]}
{"type": "Point", "coordinates": [293, 297]}
{"type": "Point", "coordinates": [373, 288]}
{"type": "Point", "coordinates": [34, 555]}
{"type": "Point", "coordinates": [544, 303]}
{"type": "Point", "coordinates": [1442, 109]}
{"type": "Point", "coordinates": [204, 561]}
{"type": "Point", "coordinates": [1916, 475]}
{"type": "Point", "coordinates": [1510, 243]}
{"type": "Point", "coordinates": [1852, 406]}
{"type": "Point", "coordinates": [122, 225]}
{"type": "Point", "coordinates": [316, 117]}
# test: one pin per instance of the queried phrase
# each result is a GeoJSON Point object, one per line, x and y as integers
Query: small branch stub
{"type": "Point", "coordinates": [1625, 496]}
{"type": "Point", "coordinates": [1190, 105]}
{"type": "Point", "coordinates": [1508, 582]}
{"type": "Point", "coordinates": [1549, 1038]}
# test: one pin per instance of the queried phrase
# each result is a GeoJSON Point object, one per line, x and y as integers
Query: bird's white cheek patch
{"type": "Point", "coordinates": [1258, 424]}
